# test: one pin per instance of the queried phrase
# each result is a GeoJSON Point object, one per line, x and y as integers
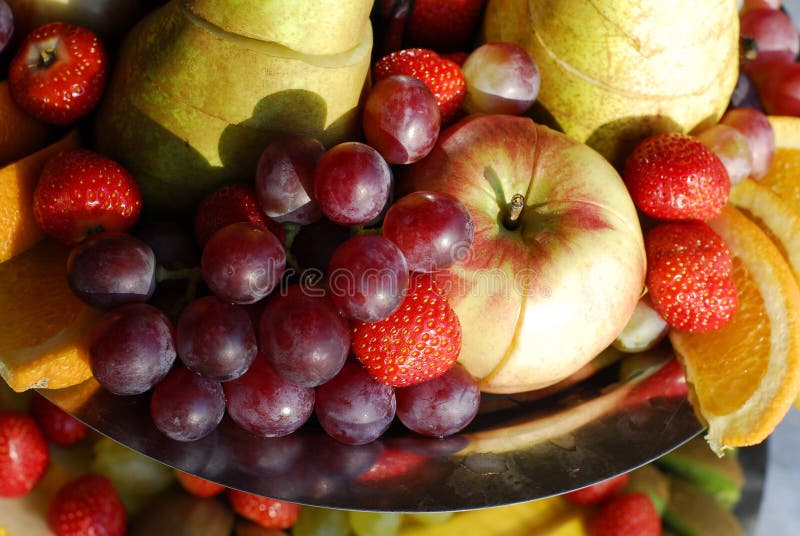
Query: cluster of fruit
{"type": "Point", "coordinates": [267, 329]}
{"type": "Point", "coordinates": [303, 207]}
{"type": "Point", "coordinates": [377, 302]}
{"type": "Point", "coordinates": [365, 294]}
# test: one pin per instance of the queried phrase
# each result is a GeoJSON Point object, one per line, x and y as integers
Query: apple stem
{"type": "Point", "coordinates": [513, 211]}
{"type": "Point", "coordinates": [47, 56]}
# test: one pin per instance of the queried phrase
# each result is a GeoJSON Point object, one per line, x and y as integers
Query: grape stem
{"type": "Point", "coordinates": [165, 274]}
{"type": "Point", "coordinates": [513, 211]}
{"type": "Point", "coordinates": [292, 230]}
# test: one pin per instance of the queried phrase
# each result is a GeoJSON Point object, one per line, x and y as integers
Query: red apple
{"type": "Point", "coordinates": [541, 296]}
{"type": "Point", "coordinates": [59, 73]}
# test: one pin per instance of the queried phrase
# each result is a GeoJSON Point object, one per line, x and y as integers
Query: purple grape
{"type": "Point", "coordinates": [215, 339]}
{"type": "Point", "coordinates": [187, 407]}
{"type": "Point", "coordinates": [442, 406]}
{"type": "Point", "coordinates": [401, 119]}
{"type": "Point", "coordinates": [133, 349]}
{"type": "Point", "coordinates": [303, 336]}
{"type": "Point", "coordinates": [352, 183]}
{"type": "Point", "coordinates": [285, 179]}
{"type": "Point", "coordinates": [354, 407]}
{"type": "Point", "coordinates": [368, 277]}
{"type": "Point", "coordinates": [6, 24]}
{"type": "Point", "coordinates": [432, 229]}
{"type": "Point", "coordinates": [502, 78]}
{"type": "Point", "coordinates": [745, 94]}
{"type": "Point", "coordinates": [265, 404]}
{"type": "Point", "coordinates": [243, 263]}
{"type": "Point", "coordinates": [112, 269]}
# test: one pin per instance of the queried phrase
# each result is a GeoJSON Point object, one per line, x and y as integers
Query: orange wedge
{"type": "Point", "coordinates": [745, 377]}
{"type": "Point", "coordinates": [20, 134]}
{"type": "Point", "coordinates": [18, 229]}
{"type": "Point", "coordinates": [44, 328]}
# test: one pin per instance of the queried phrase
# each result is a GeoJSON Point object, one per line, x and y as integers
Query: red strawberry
{"type": "Point", "coordinates": [59, 73]}
{"type": "Point", "coordinates": [628, 514]}
{"type": "Point", "coordinates": [444, 25]}
{"type": "Point", "coordinates": [599, 492]}
{"type": "Point", "coordinates": [689, 278]}
{"type": "Point", "coordinates": [676, 177]}
{"type": "Point", "coordinates": [23, 454]}
{"type": "Point", "coordinates": [232, 204]}
{"type": "Point", "coordinates": [442, 76]}
{"type": "Point", "coordinates": [418, 342]}
{"type": "Point", "coordinates": [88, 504]}
{"type": "Point", "coordinates": [57, 425]}
{"type": "Point", "coordinates": [269, 513]}
{"type": "Point", "coordinates": [82, 192]}
{"type": "Point", "coordinates": [199, 487]}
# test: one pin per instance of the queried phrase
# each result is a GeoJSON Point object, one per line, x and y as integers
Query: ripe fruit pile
{"type": "Point", "coordinates": [308, 289]}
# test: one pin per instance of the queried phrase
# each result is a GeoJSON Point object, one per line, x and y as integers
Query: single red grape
{"type": "Point", "coordinates": [432, 229]}
{"type": "Point", "coordinates": [401, 119]}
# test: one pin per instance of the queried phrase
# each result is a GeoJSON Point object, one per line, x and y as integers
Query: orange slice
{"type": "Point", "coordinates": [774, 201]}
{"type": "Point", "coordinates": [44, 328]}
{"type": "Point", "coordinates": [782, 177]}
{"type": "Point", "coordinates": [18, 229]}
{"type": "Point", "coordinates": [745, 376]}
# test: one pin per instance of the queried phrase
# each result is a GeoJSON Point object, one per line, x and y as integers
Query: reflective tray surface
{"type": "Point", "coordinates": [519, 448]}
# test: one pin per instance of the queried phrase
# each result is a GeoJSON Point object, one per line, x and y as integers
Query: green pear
{"type": "Point", "coordinates": [191, 106]}
{"type": "Point", "coordinates": [616, 71]}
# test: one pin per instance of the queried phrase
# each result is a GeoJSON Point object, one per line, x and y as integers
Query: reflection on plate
{"type": "Point", "coordinates": [519, 448]}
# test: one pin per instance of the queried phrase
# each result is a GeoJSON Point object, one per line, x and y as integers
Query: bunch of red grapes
{"type": "Point", "coordinates": [270, 342]}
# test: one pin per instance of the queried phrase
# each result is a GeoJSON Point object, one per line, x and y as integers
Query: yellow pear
{"type": "Point", "coordinates": [616, 71]}
{"type": "Point", "coordinates": [191, 105]}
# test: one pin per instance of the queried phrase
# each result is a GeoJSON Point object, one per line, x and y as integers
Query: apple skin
{"type": "Point", "coordinates": [538, 302]}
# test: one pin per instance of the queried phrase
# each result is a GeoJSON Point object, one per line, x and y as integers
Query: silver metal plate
{"type": "Point", "coordinates": [519, 448]}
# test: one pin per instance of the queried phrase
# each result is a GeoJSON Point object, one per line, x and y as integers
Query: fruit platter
{"type": "Point", "coordinates": [403, 256]}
